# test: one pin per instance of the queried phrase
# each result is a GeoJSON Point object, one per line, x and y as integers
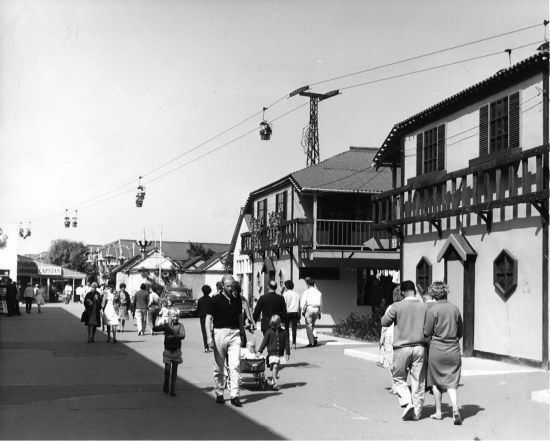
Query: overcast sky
{"type": "Point", "coordinates": [94, 94]}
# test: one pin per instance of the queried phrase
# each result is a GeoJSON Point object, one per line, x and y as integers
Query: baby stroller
{"type": "Point", "coordinates": [251, 363]}
{"type": "Point", "coordinates": [256, 367]}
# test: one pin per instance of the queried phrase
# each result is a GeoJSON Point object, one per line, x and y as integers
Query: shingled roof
{"type": "Point", "coordinates": [351, 171]}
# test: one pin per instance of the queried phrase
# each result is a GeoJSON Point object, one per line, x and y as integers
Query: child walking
{"type": "Point", "coordinates": [277, 344]}
{"type": "Point", "coordinates": [174, 333]}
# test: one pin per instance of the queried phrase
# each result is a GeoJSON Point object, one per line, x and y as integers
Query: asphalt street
{"type": "Point", "coordinates": [54, 385]}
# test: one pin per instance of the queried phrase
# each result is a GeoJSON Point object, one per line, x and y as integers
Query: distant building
{"type": "Point", "coordinates": [471, 206]}
{"type": "Point", "coordinates": [106, 258]}
{"type": "Point", "coordinates": [169, 266]}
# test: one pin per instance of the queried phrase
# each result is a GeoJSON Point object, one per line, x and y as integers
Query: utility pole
{"type": "Point", "coordinates": [310, 140]}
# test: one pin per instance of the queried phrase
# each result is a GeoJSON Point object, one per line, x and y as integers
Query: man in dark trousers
{"type": "Point", "coordinates": [270, 304]}
{"type": "Point", "coordinates": [202, 311]}
{"type": "Point", "coordinates": [12, 299]}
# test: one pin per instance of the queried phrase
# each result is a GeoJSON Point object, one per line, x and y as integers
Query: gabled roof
{"type": "Point", "coordinates": [127, 264]}
{"type": "Point", "coordinates": [389, 152]}
{"type": "Point", "coordinates": [194, 261]}
{"type": "Point", "coordinates": [215, 258]}
{"type": "Point", "coordinates": [351, 171]}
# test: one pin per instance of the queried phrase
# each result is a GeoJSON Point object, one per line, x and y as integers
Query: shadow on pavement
{"type": "Point", "coordinates": [53, 385]}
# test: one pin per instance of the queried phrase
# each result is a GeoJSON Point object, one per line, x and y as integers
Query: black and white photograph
{"type": "Point", "coordinates": [274, 219]}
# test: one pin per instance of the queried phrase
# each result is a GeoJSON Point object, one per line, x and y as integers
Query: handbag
{"type": "Point", "coordinates": [84, 316]}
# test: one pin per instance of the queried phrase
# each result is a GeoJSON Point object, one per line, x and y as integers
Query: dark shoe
{"type": "Point", "coordinates": [275, 387]}
{"type": "Point", "coordinates": [114, 340]}
{"type": "Point", "coordinates": [173, 394]}
{"type": "Point", "coordinates": [236, 402]}
{"type": "Point", "coordinates": [220, 399]}
{"type": "Point", "coordinates": [408, 413]}
{"type": "Point", "coordinates": [315, 342]}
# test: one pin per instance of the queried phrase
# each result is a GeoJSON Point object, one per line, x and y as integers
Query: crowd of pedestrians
{"type": "Point", "coordinates": [420, 337]}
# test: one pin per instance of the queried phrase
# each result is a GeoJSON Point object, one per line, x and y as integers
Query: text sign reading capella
{"type": "Point", "coordinates": [49, 271]}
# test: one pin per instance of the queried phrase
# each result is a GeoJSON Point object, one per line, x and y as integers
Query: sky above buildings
{"type": "Point", "coordinates": [95, 94]}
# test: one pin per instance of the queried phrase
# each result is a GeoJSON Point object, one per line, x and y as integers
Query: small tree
{"type": "Point", "coordinates": [198, 250]}
{"type": "Point", "coordinates": [68, 253]}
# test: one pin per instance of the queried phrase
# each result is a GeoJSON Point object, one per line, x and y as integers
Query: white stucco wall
{"type": "Point", "coordinates": [8, 253]}
{"type": "Point", "coordinates": [462, 132]}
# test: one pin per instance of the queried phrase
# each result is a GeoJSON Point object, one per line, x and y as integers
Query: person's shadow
{"type": "Point", "coordinates": [466, 410]}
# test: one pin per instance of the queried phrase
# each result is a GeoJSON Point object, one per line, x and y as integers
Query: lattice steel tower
{"type": "Point", "coordinates": [310, 137]}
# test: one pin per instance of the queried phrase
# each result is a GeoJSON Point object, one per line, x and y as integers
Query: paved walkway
{"type": "Point", "coordinates": [471, 366]}
{"type": "Point", "coordinates": [53, 385]}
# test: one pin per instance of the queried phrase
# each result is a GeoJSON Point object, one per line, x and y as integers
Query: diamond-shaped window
{"type": "Point", "coordinates": [505, 274]}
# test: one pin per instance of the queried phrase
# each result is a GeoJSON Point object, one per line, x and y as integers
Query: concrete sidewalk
{"type": "Point", "coordinates": [471, 366]}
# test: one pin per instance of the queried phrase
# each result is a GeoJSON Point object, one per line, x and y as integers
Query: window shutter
{"type": "Point", "coordinates": [484, 130]}
{"type": "Point", "coordinates": [513, 120]}
{"type": "Point", "coordinates": [419, 154]}
{"type": "Point", "coordinates": [441, 147]}
{"type": "Point", "coordinates": [284, 205]}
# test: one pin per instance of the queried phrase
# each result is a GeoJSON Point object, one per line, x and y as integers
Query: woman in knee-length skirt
{"type": "Point", "coordinates": [443, 326]}
{"type": "Point", "coordinates": [110, 316]}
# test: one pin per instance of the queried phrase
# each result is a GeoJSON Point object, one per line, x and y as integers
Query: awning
{"type": "Point", "coordinates": [27, 267]}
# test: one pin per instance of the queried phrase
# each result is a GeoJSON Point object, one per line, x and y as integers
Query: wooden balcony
{"type": "Point", "coordinates": [342, 233]}
{"type": "Point", "coordinates": [290, 233]}
{"type": "Point", "coordinates": [307, 234]}
{"type": "Point", "coordinates": [508, 179]}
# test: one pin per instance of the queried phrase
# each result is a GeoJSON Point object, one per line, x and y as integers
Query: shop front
{"type": "Point", "coordinates": [52, 277]}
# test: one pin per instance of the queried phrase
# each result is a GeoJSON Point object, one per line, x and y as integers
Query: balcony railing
{"type": "Point", "coordinates": [337, 234]}
{"type": "Point", "coordinates": [342, 233]}
{"type": "Point", "coordinates": [294, 232]}
{"type": "Point", "coordinates": [518, 177]}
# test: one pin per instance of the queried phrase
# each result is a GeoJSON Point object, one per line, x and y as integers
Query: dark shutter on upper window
{"type": "Point", "coordinates": [484, 130]}
{"type": "Point", "coordinates": [419, 154]}
{"type": "Point", "coordinates": [441, 147]}
{"type": "Point", "coordinates": [513, 120]}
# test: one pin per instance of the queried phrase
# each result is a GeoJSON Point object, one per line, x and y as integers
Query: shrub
{"type": "Point", "coordinates": [362, 327]}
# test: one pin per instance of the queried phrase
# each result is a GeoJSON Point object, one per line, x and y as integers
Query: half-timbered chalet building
{"type": "Point", "coordinates": [471, 207]}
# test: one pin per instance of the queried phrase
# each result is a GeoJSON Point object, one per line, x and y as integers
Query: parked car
{"type": "Point", "coordinates": [182, 298]}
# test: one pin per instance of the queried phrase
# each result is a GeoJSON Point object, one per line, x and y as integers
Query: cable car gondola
{"type": "Point", "coordinates": [265, 128]}
{"type": "Point", "coordinates": [140, 196]}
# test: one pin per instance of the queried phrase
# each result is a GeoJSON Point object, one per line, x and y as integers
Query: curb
{"type": "Point", "coordinates": [541, 396]}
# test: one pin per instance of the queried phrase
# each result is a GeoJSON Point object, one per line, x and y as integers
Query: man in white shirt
{"type": "Point", "coordinates": [80, 294]}
{"type": "Point", "coordinates": [292, 300]}
{"type": "Point", "coordinates": [311, 304]}
{"type": "Point", "coordinates": [68, 291]}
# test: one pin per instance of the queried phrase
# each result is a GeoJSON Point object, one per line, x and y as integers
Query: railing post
{"type": "Point", "coordinates": [314, 221]}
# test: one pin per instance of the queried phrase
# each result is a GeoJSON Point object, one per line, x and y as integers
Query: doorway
{"type": "Point", "coordinates": [460, 277]}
